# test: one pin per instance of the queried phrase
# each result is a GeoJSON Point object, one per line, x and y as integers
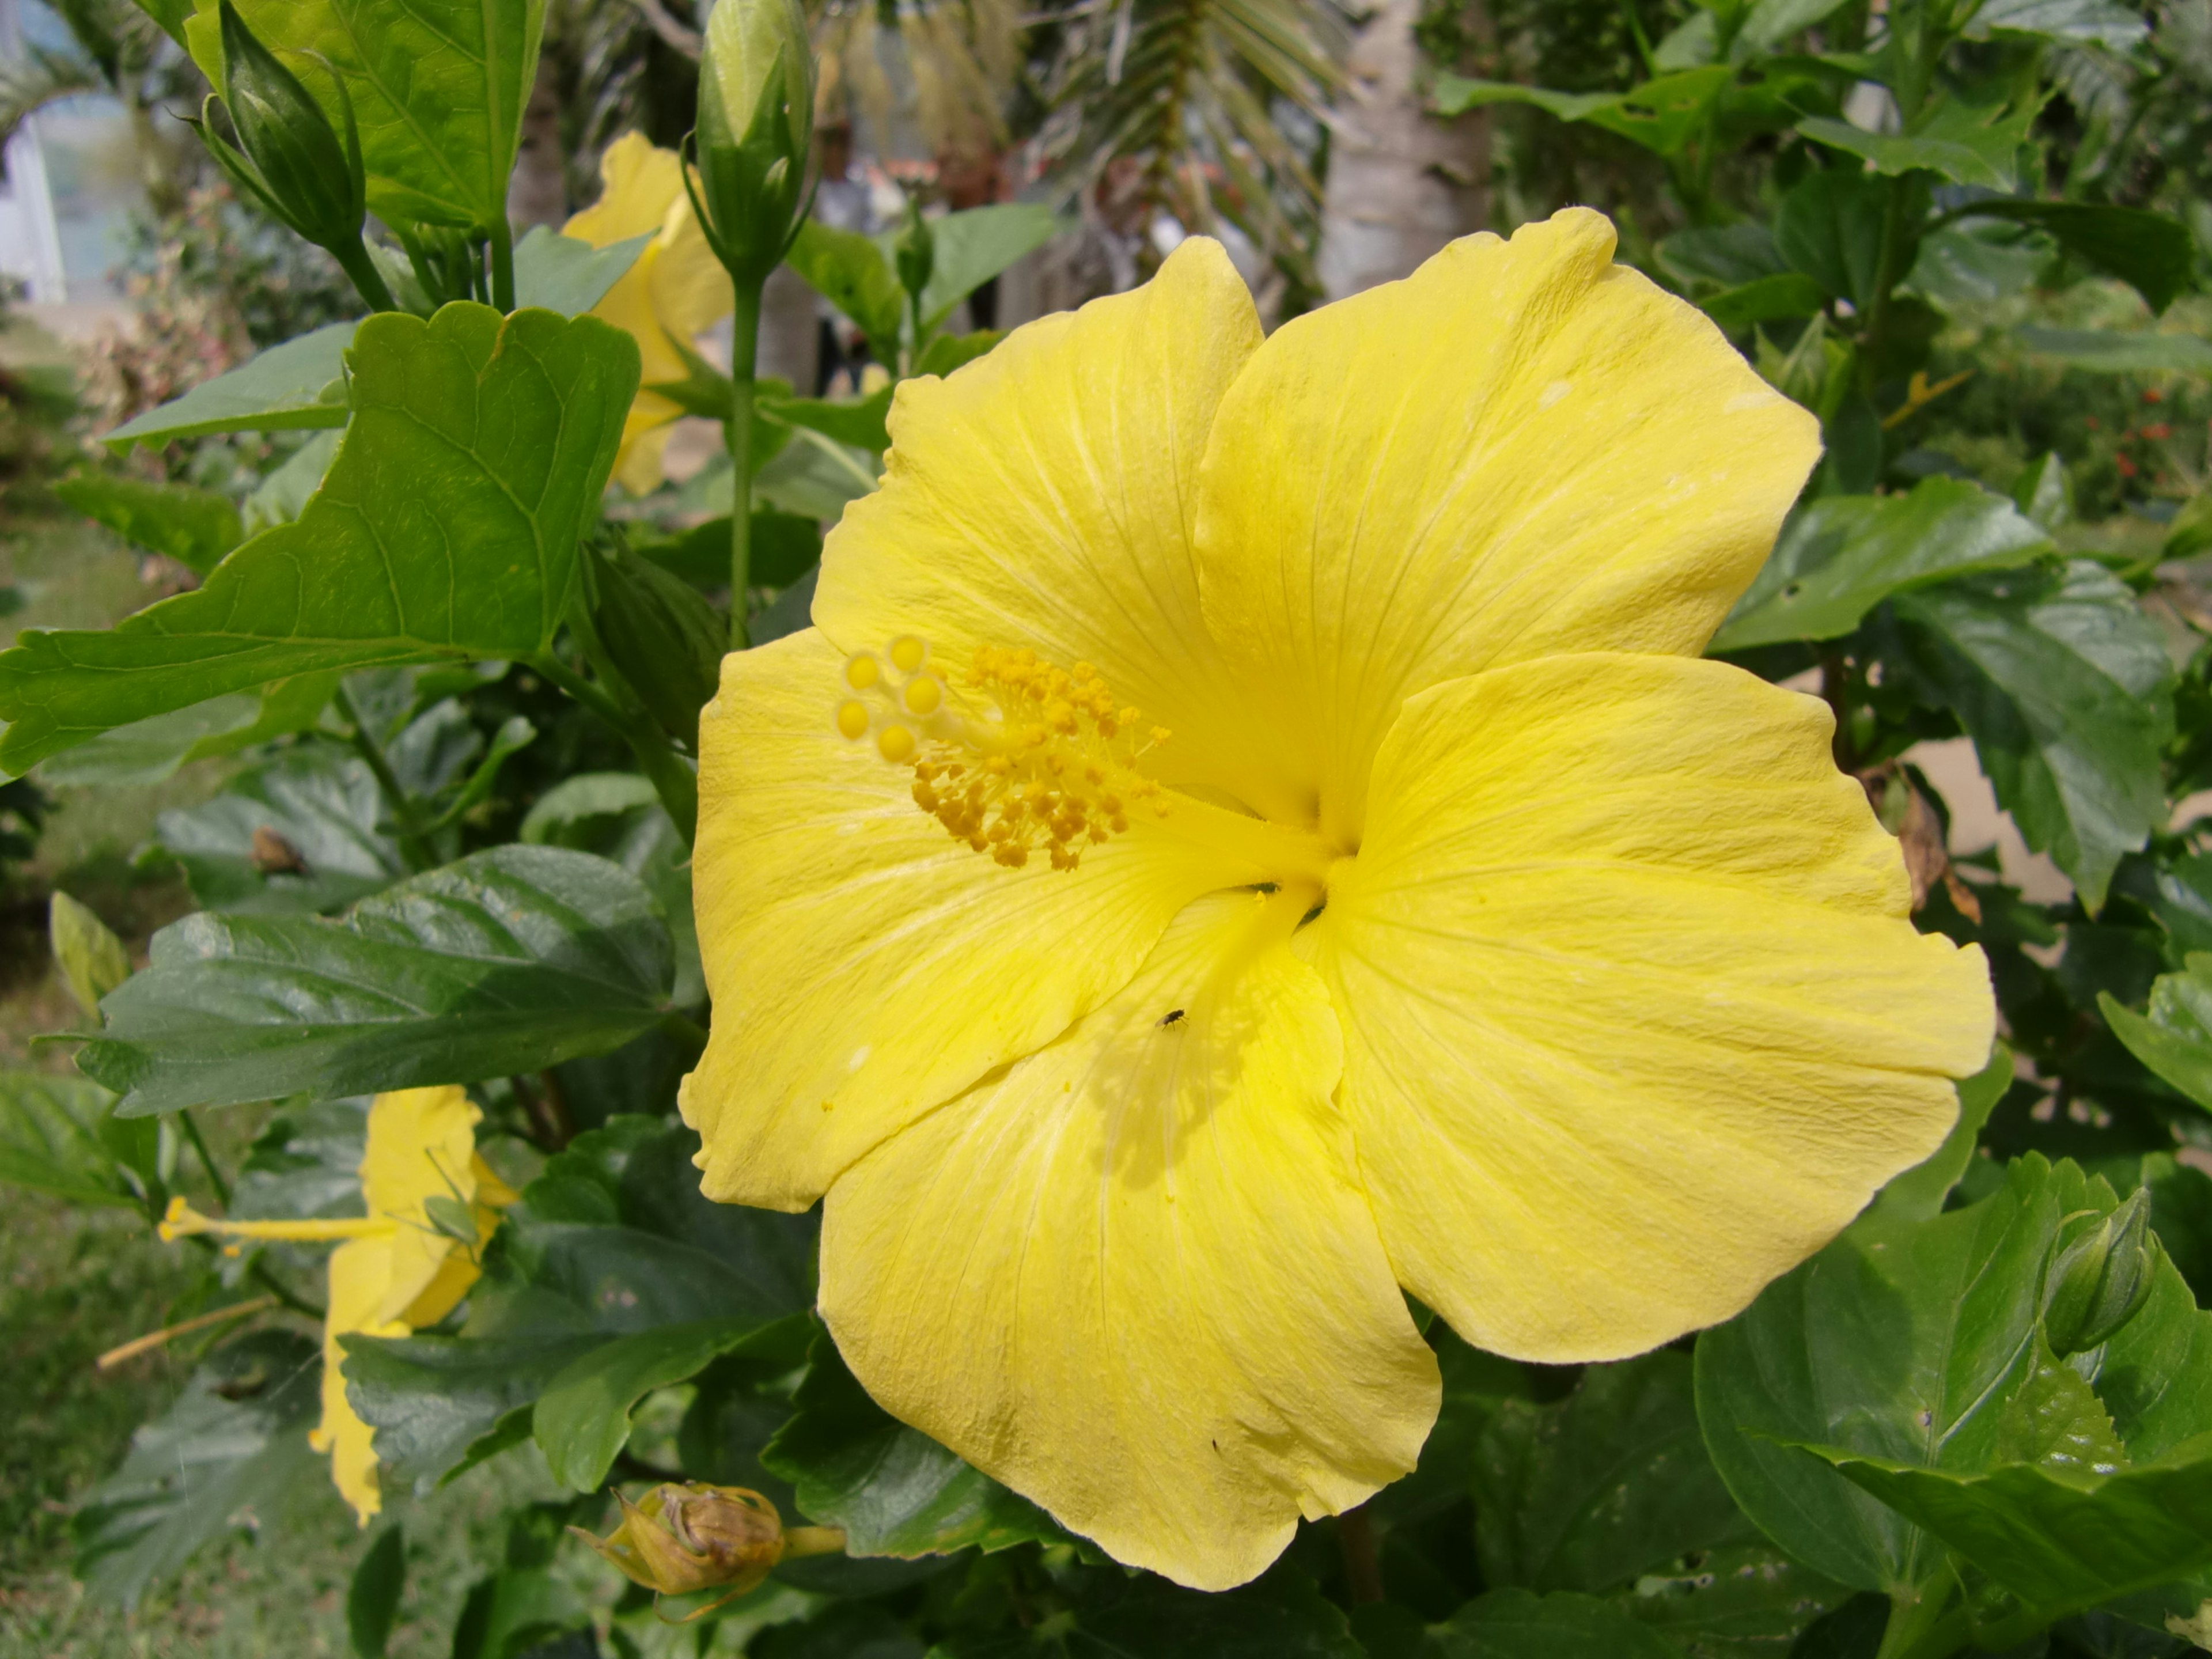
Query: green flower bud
{"type": "Point", "coordinates": [2099, 1278]}
{"type": "Point", "coordinates": [755, 134]}
{"type": "Point", "coordinates": [916, 253]}
{"type": "Point", "coordinates": [667, 640]}
{"type": "Point", "coordinates": [295, 161]}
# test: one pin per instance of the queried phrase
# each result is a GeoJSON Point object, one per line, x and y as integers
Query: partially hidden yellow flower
{"type": "Point", "coordinates": [432, 1200]}
{"type": "Point", "coordinates": [1456, 928]}
{"type": "Point", "coordinates": [677, 291]}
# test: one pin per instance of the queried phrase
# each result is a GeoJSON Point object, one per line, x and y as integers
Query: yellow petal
{"type": "Point", "coordinates": [1633, 1017]}
{"type": "Point", "coordinates": [639, 182]}
{"type": "Point", "coordinates": [421, 1144]}
{"type": "Point", "coordinates": [690, 288]}
{"type": "Point", "coordinates": [1042, 497]}
{"type": "Point", "coordinates": [1133, 1278]}
{"type": "Point", "coordinates": [1523, 448]}
{"type": "Point", "coordinates": [638, 466]}
{"type": "Point", "coordinates": [865, 966]}
{"type": "Point", "coordinates": [361, 1274]}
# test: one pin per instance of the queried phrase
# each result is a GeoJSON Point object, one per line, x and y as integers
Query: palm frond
{"type": "Point", "coordinates": [42, 77]}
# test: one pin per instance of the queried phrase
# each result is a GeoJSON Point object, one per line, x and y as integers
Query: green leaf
{"type": "Point", "coordinates": [664, 637]}
{"type": "Point", "coordinates": [149, 750]}
{"type": "Point", "coordinates": [1918, 1193]}
{"type": "Point", "coordinates": [2108, 353]}
{"type": "Point", "coordinates": [2152, 252]}
{"type": "Point", "coordinates": [949, 352]}
{"type": "Point", "coordinates": [814, 476]}
{"type": "Point", "coordinates": [304, 1165]}
{"type": "Point", "coordinates": [1611, 1482]}
{"type": "Point", "coordinates": [2175, 1041]}
{"type": "Point", "coordinates": [1967, 144]}
{"type": "Point", "coordinates": [508, 961]}
{"type": "Point", "coordinates": [554, 272]}
{"type": "Point", "coordinates": [1765, 299]}
{"type": "Point", "coordinates": [2065, 686]}
{"type": "Point", "coordinates": [504, 429]}
{"type": "Point", "coordinates": [233, 1451]}
{"type": "Point", "coordinates": [437, 87]}
{"type": "Point", "coordinates": [283, 494]}
{"type": "Point", "coordinates": [858, 422]}
{"type": "Point", "coordinates": [783, 547]}
{"type": "Point", "coordinates": [1722, 256]}
{"type": "Point", "coordinates": [1839, 556]}
{"type": "Point", "coordinates": [973, 245]}
{"type": "Point", "coordinates": [642, 839]}
{"type": "Point", "coordinates": [431, 1399]}
{"type": "Point", "coordinates": [1515, 1624]}
{"type": "Point", "coordinates": [1736, 1603]}
{"type": "Point", "coordinates": [894, 1490]}
{"type": "Point", "coordinates": [92, 959]}
{"type": "Point", "coordinates": [574, 801]}
{"type": "Point", "coordinates": [373, 1597]}
{"type": "Point", "coordinates": [298, 833]}
{"type": "Point", "coordinates": [582, 1419]}
{"type": "Point", "coordinates": [1829, 226]}
{"type": "Point", "coordinates": [291, 387]}
{"type": "Point", "coordinates": [2095, 22]}
{"type": "Point", "coordinates": [1664, 114]}
{"type": "Point", "coordinates": [849, 271]}
{"type": "Point", "coordinates": [194, 527]}
{"type": "Point", "coordinates": [53, 1138]}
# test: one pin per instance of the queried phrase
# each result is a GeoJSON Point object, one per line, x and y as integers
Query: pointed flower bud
{"type": "Point", "coordinates": [916, 253]}
{"type": "Point", "coordinates": [755, 133]}
{"type": "Point", "coordinates": [2099, 1278]}
{"type": "Point", "coordinates": [309, 176]}
{"type": "Point", "coordinates": [692, 1536]}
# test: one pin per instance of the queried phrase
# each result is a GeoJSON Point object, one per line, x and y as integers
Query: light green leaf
{"type": "Point", "coordinates": [1611, 1482]}
{"type": "Point", "coordinates": [849, 271]}
{"type": "Point", "coordinates": [2176, 1040]}
{"type": "Point", "coordinates": [437, 86]}
{"type": "Point", "coordinates": [555, 272]}
{"type": "Point", "coordinates": [284, 495]}
{"type": "Point", "coordinates": [973, 245]}
{"type": "Point", "coordinates": [298, 833]}
{"type": "Point", "coordinates": [149, 750]}
{"type": "Point", "coordinates": [373, 1595]}
{"type": "Point", "coordinates": [1738, 1603]}
{"type": "Point", "coordinates": [1662, 115]}
{"type": "Point", "coordinates": [504, 430]}
{"type": "Point", "coordinates": [895, 1491]}
{"type": "Point", "coordinates": [92, 959]}
{"type": "Point", "coordinates": [1514, 1624]}
{"type": "Point", "coordinates": [1971, 264]}
{"type": "Point", "coordinates": [2095, 22]}
{"type": "Point", "coordinates": [233, 1449]}
{"type": "Point", "coordinates": [304, 1165]}
{"type": "Point", "coordinates": [856, 422]}
{"type": "Point", "coordinates": [2065, 686]}
{"type": "Point", "coordinates": [814, 476]}
{"type": "Point", "coordinates": [2119, 354]}
{"type": "Point", "coordinates": [949, 352]}
{"type": "Point", "coordinates": [289, 388]}
{"type": "Point", "coordinates": [576, 801]}
{"type": "Point", "coordinates": [1967, 144]}
{"type": "Point", "coordinates": [509, 960]}
{"type": "Point", "coordinates": [2152, 252]}
{"type": "Point", "coordinates": [1839, 556]}
{"type": "Point", "coordinates": [194, 527]}
{"type": "Point", "coordinates": [53, 1138]}
{"type": "Point", "coordinates": [582, 1419]}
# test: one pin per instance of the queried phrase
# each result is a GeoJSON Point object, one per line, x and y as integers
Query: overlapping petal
{"type": "Point", "coordinates": [1132, 1276]}
{"type": "Point", "coordinates": [1633, 1018]}
{"type": "Point", "coordinates": [1043, 497]}
{"type": "Point", "coordinates": [1521, 449]}
{"type": "Point", "coordinates": [865, 966]}
{"type": "Point", "coordinates": [360, 1278]}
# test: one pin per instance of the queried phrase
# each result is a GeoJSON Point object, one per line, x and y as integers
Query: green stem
{"type": "Point", "coordinates": [396, 796]}
{"type": "Point", "coordinates": [737, 433]}
{"type": "Point", "coordinates": [1887, 277]}
{"type": "Point", "coordinates": [206, 1157]}
{"type": "Point", "coordinates": [672, 778]}
{"type": "Point", "coordinates": [368, 281]}
{"type": "Point", "coordinates": [1924, 1626]}
{"type": "Point", "coordinates": [502, 265]}
{"type": "Point", "coordinates": [275, 1287]}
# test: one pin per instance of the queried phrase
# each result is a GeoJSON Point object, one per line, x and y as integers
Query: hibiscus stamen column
{"type": "Point", "coordinates": [751, 149]}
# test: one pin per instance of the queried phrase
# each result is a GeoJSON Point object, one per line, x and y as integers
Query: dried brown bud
{"type": "Point", "coordinates": [694, 1537]}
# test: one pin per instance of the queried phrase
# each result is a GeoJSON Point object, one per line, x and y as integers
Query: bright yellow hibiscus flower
{"type": "Point", "coordinates": [1456, 928]}
{"type": "Point", "coordinates": [400, 1267]}
{"type": "Point", "coordinates": [676, 290]}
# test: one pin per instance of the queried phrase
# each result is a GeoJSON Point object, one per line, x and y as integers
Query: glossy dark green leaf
{"type": "Point", "coordinates": [894, 1490]}
{"type": "Point", "coordinates": [2175, 1038]}
{"type": "Point", "coordinates": [638, 835]}
{"type": "Point", "coordinates": [1967, 144]}
{"type": "Point", "coordinates": [297, 385]}
{"type": "Point", "coordinates": [432, 1398]}
{"type": "Point", "coordinates": [664, 637]}
{"type": "Point", "coordinates": [1707, 256]}
{"type": "Point", "coordinates": [1737, 1603]}
{"type": "Point", "coordinates": [2152, 252]}
{"type": "Point", "coordinates": [583, 1418]}
{"type": "Point", "coordinates": [975, 245]}
{"type": "Point", "coordinates": [305, 1163]}
{"type": "Point", "coordinates": [508, 960]}
{"type": "Point", "coordinates": [1829, 226]}
{"type": "Point", "coordinates": [555, 272]}
{"type": "Point", "coordinates": [438, 89]}
{"type": "Point", "coordinates": [194, 527]}
{"type": "Point", "coordinates": [1839, 556]}
{"type": "Point", "coordinates": [2065, 686]}
{"type": "Point", "coordinates": [784, 546]}
{"type": "Point", "coordinates": [1516, 1624]}
{"type": "Point", "coordinates": [1592, 1491]}
{"type": "Point", "coordinates": [1766, 299]}
{"type": "Point", "coordinates": [504, 430]}
{"type": "Point", "coordinates": [302, 832]}
{"type": "Point", "coordinates": [233, 1451]}
{"type": "Point", "coordinates": [52, 1141]}
{"type": "Point", "coordinates": [373, 1597]}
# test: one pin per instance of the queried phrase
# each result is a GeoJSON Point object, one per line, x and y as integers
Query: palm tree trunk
{"type": "Point", "coordinates": [1401, 183]}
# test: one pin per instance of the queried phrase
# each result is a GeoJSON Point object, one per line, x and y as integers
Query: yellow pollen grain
{"type": "Point", "coordinates": [853, 720]}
